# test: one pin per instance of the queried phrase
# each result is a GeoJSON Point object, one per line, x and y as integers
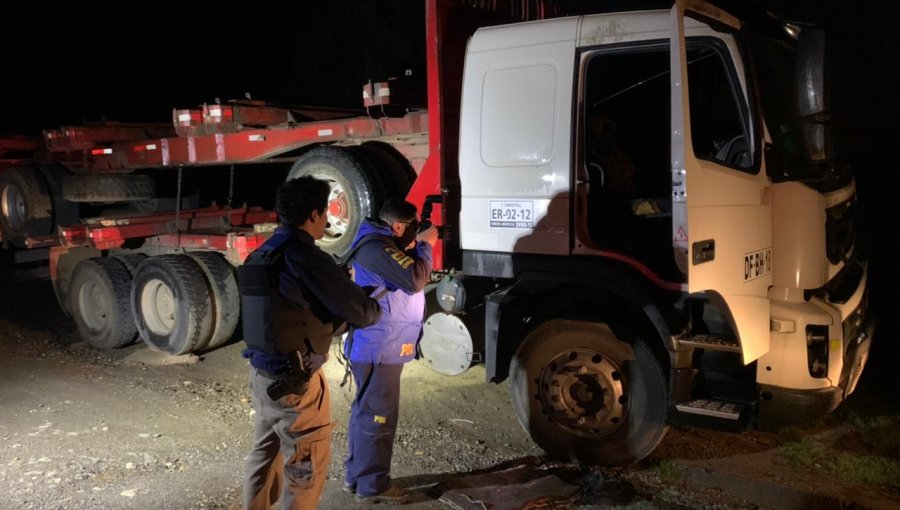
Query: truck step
{"type": "Point", "coordinates": [710, 342]}
{"type": "Point", "coordinates": [714, 408]}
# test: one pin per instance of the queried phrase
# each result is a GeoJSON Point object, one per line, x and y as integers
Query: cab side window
{"type": "Point", "coordinates": [720, 128]}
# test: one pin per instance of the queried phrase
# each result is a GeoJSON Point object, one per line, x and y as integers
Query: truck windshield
{"type": "Point", "coordinates": [801, 146]}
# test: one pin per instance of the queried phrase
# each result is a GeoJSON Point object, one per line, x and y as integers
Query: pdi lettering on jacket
{"type": "Point", "coordinates": [399, 257]}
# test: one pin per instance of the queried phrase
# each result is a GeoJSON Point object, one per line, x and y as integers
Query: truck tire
{"type": "Point", "coordinates": [108, 188]}
{"type": "Point", "coordinates": [388, 166]}
{"type": "Point", "coordinates": [172, 304]}
{"type": "Point", "coordinates": [226, 298]}
{"type": "Point", "coordinates": [163, 204]}
{"type": "Point", "coordinates": [65, 213]}
{"type": "Point", "coordinates": [584, 395]}
{"type": "Point", "coordinates": [131, 261]}
{"type": "Point", "coordinates": [100, 304]}
{"type": "Point", "coordinates": [355, 194]}
{"type": "Point", "coordinates": [26, 209]}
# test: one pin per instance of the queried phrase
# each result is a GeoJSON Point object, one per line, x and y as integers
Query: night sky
{"type": "Point", "coordinates": [76, 67]}
{"type": "Point", "coordinates": [71, 66]}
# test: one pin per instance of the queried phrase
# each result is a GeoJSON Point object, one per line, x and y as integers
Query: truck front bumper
{"type": "Point", "coordinates": [790, 391]}
{"type": "Point", "coordinates": [858, 331]}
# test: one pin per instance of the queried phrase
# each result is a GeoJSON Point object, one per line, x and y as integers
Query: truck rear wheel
{"type": "Point", "coordinates": [355, 193]}
{"type": "Point", "coordinates": [172, 304]}
{"type": "Point", "coordinates": [584, 395]}
{"type": "Point", "coordinates": [26, 209]}
{"type": "Point", "coordinates": [100, 305]}
{"type": "Point", "coordinates": [226, 299]}
{"type": "Point", "coordinates": [131, 261]}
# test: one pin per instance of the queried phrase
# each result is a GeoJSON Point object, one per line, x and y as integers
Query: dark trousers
{"type": "Point", "coordinates": [373, 425]}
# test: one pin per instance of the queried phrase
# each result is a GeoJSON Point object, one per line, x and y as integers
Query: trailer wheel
{"type": "Point", "coordinates": [108, 188]}
{"type": "Point", "coordinates": [384, 159]}
{"type": "Point", "coordinates": [355, 194]}
{"type": "Point", "coordinates": [131, 261]}
{"type": "Point", "coordinates": [172, 304]}
{"type": "Point", "coordinates": [26, 209]}
{"type": "Point", "coordinates": [226, 298]}
{"type": "Point", "coordinates": [100, 305]}
{"type": "Point", "coordinates": [584, 395]}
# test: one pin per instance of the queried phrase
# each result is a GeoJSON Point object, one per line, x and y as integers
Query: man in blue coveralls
{"type": "Point", "coordinates": [396, 261]}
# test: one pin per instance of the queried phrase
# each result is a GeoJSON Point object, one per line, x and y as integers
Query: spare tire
{"type": "Point", "coordinates": [355, 193]}
{"type": "Point", "coordinates": [389, 167]}
{"type": "Point", "coordinates": [65, 213]}
{"type": "Point", "coordinates": [108, 188]}
{"type": "Point", "coordinates": [172, 304]}
{"type": "Point", "coordinates": [26, 209]}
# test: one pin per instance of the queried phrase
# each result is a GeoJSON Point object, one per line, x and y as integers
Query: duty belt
{"type": "Point", "coordinates": [273, 364]}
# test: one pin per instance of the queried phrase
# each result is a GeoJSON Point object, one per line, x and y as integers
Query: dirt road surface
{"type": "Point", "coordinates": [84, 429]}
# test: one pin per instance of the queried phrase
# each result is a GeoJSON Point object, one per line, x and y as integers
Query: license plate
{"type": "Point", "coordinates": [512, 214]}
{"type": "Point", "coordinates": [757, 264]}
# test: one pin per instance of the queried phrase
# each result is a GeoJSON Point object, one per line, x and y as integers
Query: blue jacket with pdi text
{"type": "Point", "coordinates": [380, 263]}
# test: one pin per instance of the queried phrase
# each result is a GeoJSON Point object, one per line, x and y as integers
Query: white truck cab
{"type": "Point", "coordinates": [655, 251]}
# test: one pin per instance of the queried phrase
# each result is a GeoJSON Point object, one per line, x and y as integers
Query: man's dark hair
{"type": "Point", "coordinates": [396, 209]}
{"type": "Point", "coordinates": [298, 198]}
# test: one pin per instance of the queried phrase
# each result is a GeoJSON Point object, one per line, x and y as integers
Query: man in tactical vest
{"type": "Point", "coordinates": [389, 257]}
{"type": "Point", "coordinates": [294, 299]}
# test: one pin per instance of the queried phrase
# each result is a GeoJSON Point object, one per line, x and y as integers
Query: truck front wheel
{"type": "Point", "coordinates": [586, 396]}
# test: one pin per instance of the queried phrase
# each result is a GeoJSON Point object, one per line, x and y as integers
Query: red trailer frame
{"type": "Point", "coordinates": [244, 132]}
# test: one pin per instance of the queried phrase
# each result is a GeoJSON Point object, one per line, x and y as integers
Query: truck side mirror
{"type": "Point", "coordinates": [810, 81]}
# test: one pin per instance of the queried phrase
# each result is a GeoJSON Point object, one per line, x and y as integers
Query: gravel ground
{"type": "Point", "coordinates": [84, 429]}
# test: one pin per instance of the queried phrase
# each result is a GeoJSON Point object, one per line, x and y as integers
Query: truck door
{"type": "Point", "coordinates": [720, 212]}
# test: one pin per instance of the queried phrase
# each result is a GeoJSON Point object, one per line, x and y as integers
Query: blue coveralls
{"type": "Point", "coordinates": [377, 353]}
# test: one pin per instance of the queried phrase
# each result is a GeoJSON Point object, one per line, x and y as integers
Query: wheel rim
{"type": "Point", "coordinates": [13, 202]}
{"type": "Point", "coordinates": [584, 392]}
{"type": "Point", "coordinates": [94, 306]}
{"type": "Point", "coordinates": [338, 213]}
{"type": "Point", "coordinates": [158, 307]}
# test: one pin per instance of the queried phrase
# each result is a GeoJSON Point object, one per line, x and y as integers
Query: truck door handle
{"type": "Point", "coordinates": [704, 251]}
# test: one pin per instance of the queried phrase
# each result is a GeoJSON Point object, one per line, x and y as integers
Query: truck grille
{"type": "Point", "coordinates": [844, 284]}
{"type": "Point", "coordinates": [840, 232]}
{"type": "Point", "coordinates": [841, 287]}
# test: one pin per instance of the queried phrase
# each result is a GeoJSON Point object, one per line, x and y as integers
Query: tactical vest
{"type": "Point", "coordinates": [272, 323]}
